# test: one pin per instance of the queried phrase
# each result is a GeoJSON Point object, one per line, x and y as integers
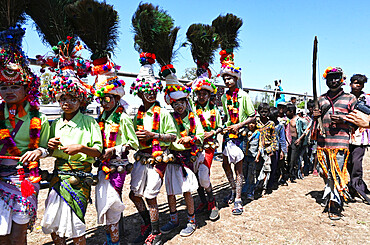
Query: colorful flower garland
{"type": "Point", "coordinates": [27, 188]}
{"type": "Point", "coordinates": [156, 147]}
{"type": "Point", "coordinates": [233, 108]}
{"type": "Point", "coordinates": [212, 119]}
{"type": "Point", "coordinates": [113, 128]}
{"type": "Point", "coordinates": [183, 133]}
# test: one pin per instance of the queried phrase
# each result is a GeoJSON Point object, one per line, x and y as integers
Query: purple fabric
{"type": "Point", "coordinates": [117, 180]}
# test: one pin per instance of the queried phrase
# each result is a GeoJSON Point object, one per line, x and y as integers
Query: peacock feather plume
{"type": "Point", "coordinates": [227, 28]}
{"type": "Point", "coordinates": [203, 41]}
{"type": "Point", "coordinates": [154, 32]}
{"type": "Point", "coordinates": [97, 25]}
{"type": "Point", "coordinates": [51, 21]}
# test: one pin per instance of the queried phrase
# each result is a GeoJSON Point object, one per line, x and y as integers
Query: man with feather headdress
{"type": "Point", "coordinates": [237, 106]}
{"type": "Point", "coordinates": [203, 44]}
{"type": "Point", "coordinates": [153, 124]}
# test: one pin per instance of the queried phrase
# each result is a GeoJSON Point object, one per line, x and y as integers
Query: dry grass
{"type": "Point", "coordinates": [290, 215]}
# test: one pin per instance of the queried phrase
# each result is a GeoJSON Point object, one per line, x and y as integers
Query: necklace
{"type": "Point", "coordinates": [183, 133]}
{"type": "Point", "coordinates": [156, 148]}
{"type": "Point", "coordinates": [212, 119]}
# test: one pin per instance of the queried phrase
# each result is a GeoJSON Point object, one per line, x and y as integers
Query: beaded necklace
{"type": "Point", "coordinates": [183, 133]}
{"type": "Point", "coordinates": [156, 148]}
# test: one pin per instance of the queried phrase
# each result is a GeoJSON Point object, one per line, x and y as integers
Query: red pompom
{"type": "Point", "coordinates": [27, 189]}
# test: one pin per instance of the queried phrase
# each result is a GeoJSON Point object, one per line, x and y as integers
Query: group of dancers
{"type": "Point", "coordinates": [172, 148]}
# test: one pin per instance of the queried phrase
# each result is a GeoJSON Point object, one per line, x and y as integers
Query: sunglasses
{"type": "Point", "coordinates": [105, 99]}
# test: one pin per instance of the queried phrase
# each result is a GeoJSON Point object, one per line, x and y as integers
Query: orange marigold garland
{"type": "Point", "coordinates": [192, 129]}
{"type": "Point", "coordinates": [156, 148]}
{"type": "Point", "coordinates": [233, 108]}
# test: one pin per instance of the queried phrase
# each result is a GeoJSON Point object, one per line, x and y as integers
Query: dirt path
{"type": "Point", "coordinates": [290, 215]}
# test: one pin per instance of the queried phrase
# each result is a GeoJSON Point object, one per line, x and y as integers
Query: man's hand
{"type": "Point", "coordinates": [316, 113]}
{"type": "Point", "coordinates": [298, 141]}
{"type": "Point", "coordinates": [358, 118]}
{"type": "Point", "coordinates": [109, 153]}
{"type": "Point", "coordinates": [208, 134]}
{"type": "Point", "coordinates": [234, 129]}
{"type": "Point", "coordinates": [31, 156]}
{"type": "Point", "coordinates": [337, 119]}
{"type": "Point", "coordinates": [144, 135]}
{"type": "Point", "coordinates": [184, 140]}
{"type": "Point", "coordinates": [54, 143]}
{"type": "Point", "coordinates": [72, 149]}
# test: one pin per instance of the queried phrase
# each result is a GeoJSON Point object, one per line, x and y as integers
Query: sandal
{"type": "Point", "coordinates": [238, 208]}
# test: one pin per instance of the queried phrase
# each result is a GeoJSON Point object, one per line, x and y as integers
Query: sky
{"type": "Point", "coordinates": [276, 39]}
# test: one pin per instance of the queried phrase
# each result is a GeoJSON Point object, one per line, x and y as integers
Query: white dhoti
{"type": "Point", "coordinates": [60, 218]}
{"type": "Point", "coordinates": [175, 181]}
{"type": "Point", "coordinates": [109, 206]}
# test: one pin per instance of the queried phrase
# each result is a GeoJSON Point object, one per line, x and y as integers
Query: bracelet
{"type": "Point", "coordinates": [44, 152]}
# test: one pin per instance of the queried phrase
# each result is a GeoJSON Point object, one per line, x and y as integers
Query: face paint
{"type": "Point", "coordinates": [203, 96]}
{"type": "Point", "coordinates": [150, 97]}
{"type": "Point", "coordinates": [230, 81]}
{"type": "Point", "coordinates": [334, 80]}
{"type": "Point", "coordinates": [108, 102]}
{"type": "Point", "coordinates": [69, 104]}
{"type": "Point", "coordinates": [179, 106]}
{"type": "Point", "coordinates": [12, 94]}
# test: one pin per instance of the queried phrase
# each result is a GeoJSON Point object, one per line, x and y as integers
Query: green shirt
{"type": "Point", "coordinates": [199, 132]}
{"type": "Point", "coordinates": [81, 129]}
{"type": "Point", "coordinates": [166, 125]}
{"type": "Point", "coordinates": [246, 108]}
{"type": "Point", "coordinates": [22, 138]}
{"type": "Point", "coordinates": [207, 115]}
{"type": "Point", "coordinates": [126, 133]}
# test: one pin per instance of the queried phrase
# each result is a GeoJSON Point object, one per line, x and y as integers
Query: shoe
{"type": "Point", "coordinates": [334, 211]}
{"type": "Point", "coordinates": [212, 207]}
{"type": "Point", "coordinates": [238, 208]}
{"type": "Point", "coordinates": [230, 198]}
{"type": "Point", "coordinates": [154, 239]}
{"type": "Point", "coordinates": [188, 230]}
{"type": "Point", "coordinates": [167, 228]}
{"type": "Point", "coordinates": [201, 208]}
{"type": "Point", "coordinates": [145, 231]}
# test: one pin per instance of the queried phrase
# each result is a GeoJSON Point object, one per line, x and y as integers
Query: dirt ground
{"type": "Point", "coordinates": [291, 215]}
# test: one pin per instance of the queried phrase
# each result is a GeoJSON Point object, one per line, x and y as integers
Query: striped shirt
{"type": "Point", "coordinates": [337, 135]}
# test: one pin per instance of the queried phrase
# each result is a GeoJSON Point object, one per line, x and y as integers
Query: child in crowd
{"type": "Point", "coordinates": [293, 149]}
{"type": "Point", "coordinates": [268, 142]}
{"type": "Point", "coordinates": [281, 149]}
{"type": "Point", "coordinates": [249, 163]}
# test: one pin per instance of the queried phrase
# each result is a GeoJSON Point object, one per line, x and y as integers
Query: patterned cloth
{"type": "Point", "coordinates": [361, 136]}
{"type": "Point", "coordinates": [268, 135]}
{"type": "Point", "coordinates": [337, 135]}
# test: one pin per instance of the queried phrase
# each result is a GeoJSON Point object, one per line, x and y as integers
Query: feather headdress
{"type": "Point", "coordinates": [203, 41]}
{"type": "Point", "coordinates": [227, 28]}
